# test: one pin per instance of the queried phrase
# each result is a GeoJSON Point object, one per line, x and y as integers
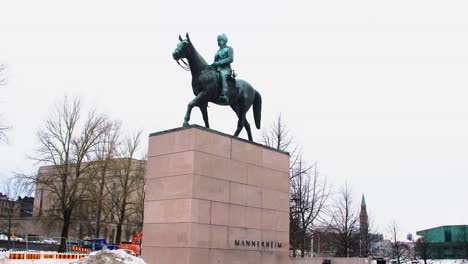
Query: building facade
{"type": "Point", "coordinates": [85, 216]}
{"type": "Point", "coordinates": [22, 207]}
{"type": "Point", "coordinates": [444, 242]}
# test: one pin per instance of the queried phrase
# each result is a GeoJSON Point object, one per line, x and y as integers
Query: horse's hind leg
{"type": "Point", "coordinates": [247, 128]}
{"type": "Point", "coordinates": [204, 111]}
{"type": "Point", "coordinates": [240, 122]}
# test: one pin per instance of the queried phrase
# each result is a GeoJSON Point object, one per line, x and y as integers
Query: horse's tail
{"type": "Point", "coordinates": [257, 109]}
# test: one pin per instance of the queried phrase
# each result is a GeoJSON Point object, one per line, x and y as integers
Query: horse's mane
{"type": "Point", "coordinates": [197, 56]}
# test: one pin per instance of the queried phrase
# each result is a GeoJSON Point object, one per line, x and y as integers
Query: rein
{"type": "Point", "coordinates": [187, 67]}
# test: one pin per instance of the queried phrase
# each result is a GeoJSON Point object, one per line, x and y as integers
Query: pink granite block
{"type": "Point", "coordinates": [177, 211]}
{"type": "Point", "coordinates": [212, 143]}
{"type": "Point", "coordinates": [283, 237]}
{"type": "Point", "coordinates": [237, 193]}
{"type": "Point", "coordinates": [282, 223]}
{"type": "Point", "coordinates": [165, 255]}
{"type": "Point", "coordinates": [219, 167]}
{"type": "Point", "coordinates": [270, 236]}
{"type": "Point", "coordinates": [168, 187]}
{"type": "Point", "coordinates": [253, 217]}
{"type": "Point", "coordinates": [218, 237]}
{"type": "Point", "coordinates": [167, 235]}
{"type": "Point", "coordinates": [217, 256]}
{"type": "Point", "coordinates": [276, 180]}
{"type": "Point", "coordinates": [237, 215]}
{"type": "Point", "coordinates": [200, 211]}
{"type": "Point", "coordinates": [246, 152]}
{"type": "Point", "coordinates": [275, 220]}
{"type": "Point", "coordinates": [243, 257]}
{"type": "Point", "coordinates": [282, 257]}
{"type": "Point", "coordinates": [198, 256]}
{"type": "Point", "coordinates": [275, 200]}
{"type": "Point", "coordinates": [238, 171]}
{"type": "Point", "coordinates": [178, 141]}
{"type": "Point", "coordinates": [210, 189]}
{"type": "Point", "coordinates": [254, 196]}
{"type": "Point", "coordinates": [275, 160]}
{"type": "Point", "coordinates": [269, 219]}
{"type": "Point", "coordinates": [219, 213]}
{"type": "Point", "coordinates": [205, 190]}
{"type": "Point", "coordinates": [170, 165]}
{"type": "Point", "coordinates": [253, 257]}
{"type": "Point", "coordinates": [200, 235]}
{"type": "Point", "coordinates": [246, 234]}
{"type": "Point", "coordinates": [168, 211]}
{"type": "Point", "coordinates": [268, 257]}
{"type": "Point", "coordinates": [211, 165]}
{"type": "Point", "coordinates": [255, 175]}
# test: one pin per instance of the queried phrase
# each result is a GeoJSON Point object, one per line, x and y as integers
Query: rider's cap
{"type": "Point", "coordinates": [223, 37]}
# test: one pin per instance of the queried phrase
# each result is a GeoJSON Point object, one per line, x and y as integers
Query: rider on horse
{"type": "Point", "coordinates": [222, 63]}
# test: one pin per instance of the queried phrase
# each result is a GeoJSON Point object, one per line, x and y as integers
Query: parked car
{"type": "Point", "coordinates": [3, 237]}
{"type": "Point", "coordinates": [19, 239]}
{"type": "Point", "coordinates": [50, 241]}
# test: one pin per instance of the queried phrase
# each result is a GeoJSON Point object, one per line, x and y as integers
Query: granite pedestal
{"type": "Point", "coordinates": [214, 199]}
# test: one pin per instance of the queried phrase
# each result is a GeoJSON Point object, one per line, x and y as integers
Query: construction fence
{"type": "Point", "coordinates": [26, 257]}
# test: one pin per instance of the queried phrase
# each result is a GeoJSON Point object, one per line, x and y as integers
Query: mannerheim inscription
{"type": "Point", "coordinates": [258, 244]}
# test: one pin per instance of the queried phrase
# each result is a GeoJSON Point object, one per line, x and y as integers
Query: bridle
{"type": "Point", "coordinates": [186, 66]}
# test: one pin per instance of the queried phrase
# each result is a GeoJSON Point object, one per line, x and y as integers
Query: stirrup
{"type": "Point", "coordinates": [223, 100]}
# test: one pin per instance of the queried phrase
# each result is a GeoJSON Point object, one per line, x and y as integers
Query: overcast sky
{"type": "Point", "coordinates": [374, 91]}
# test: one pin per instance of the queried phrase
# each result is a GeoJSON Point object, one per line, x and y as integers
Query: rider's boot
{"type": "Point", "coordinates": [224, 97]}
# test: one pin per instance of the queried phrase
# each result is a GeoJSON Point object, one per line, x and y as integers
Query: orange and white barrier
{"type": "Point", "coordinates": [80, 249]}
{"type": "Point", "coordinates": [42, 257]}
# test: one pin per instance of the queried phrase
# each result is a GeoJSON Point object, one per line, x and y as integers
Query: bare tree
{"type": "Point", "coordinates": [309, 194]}
{"type": "Point", "coordinates": [423, 247]}
{"type": "Point", "coordinates": [106, 152]}
{"type": "Point", "coordinates": [3, 75]}
{"type": "Point", "coordinates": [277, 136]}
{"type": "Point", "coordinates": [12, 188]}
{"type": "Point", "coordinates": [308, 190]}
{"type": "Point", "coordinates": [400, 250]}
{"type": "Point", "coordinates": [139, 204]}
{"type": "Point", "coordinates": [344, 223]}
{"type": "Point", "coordinates": [128, 174]}
{"type": "Point", "coordinates": [4, 128]}
{"type": "Point", "coordinates": [66, 142]}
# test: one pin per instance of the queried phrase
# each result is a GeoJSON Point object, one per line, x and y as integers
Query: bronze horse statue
{"type": "Point", "coordinates": [206, 87]}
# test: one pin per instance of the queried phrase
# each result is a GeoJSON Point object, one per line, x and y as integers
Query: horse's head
{"type": "Point", "coordinates": [182, 50]}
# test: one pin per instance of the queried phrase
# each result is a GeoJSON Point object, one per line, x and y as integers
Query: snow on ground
{"type": "Point", "coordinates": [3, 258]}
{"type": "Point", "coordinates": [110, 257]}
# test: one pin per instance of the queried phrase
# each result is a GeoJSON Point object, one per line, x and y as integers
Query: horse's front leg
{"type": "Point", "coordinates": [204, 111]}
{"type": "Point", "coordinates": [190, 106]}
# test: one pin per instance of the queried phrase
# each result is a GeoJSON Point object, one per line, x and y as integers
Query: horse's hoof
{"type": "Point", "coordinates": [185, 124]}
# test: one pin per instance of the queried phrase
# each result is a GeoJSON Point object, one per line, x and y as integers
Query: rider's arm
{"type": "Point", "coordinates": [229, 59]}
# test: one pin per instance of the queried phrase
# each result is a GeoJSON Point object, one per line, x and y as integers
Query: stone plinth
{"type": "Point", "coordinates": [214, 199]}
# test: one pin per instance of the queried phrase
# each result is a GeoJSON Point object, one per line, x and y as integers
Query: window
{"type": "Point", "coordinates": [448, 235]}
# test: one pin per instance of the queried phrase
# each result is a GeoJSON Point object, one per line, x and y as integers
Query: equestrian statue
{"type": "Point", "coordinates": [216, 83]}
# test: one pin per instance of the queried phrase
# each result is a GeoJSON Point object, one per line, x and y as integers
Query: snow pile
{"type": "Point", "coordinates": [3, 257]}
{"type": "Point", "coordinates": [110, 257]}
